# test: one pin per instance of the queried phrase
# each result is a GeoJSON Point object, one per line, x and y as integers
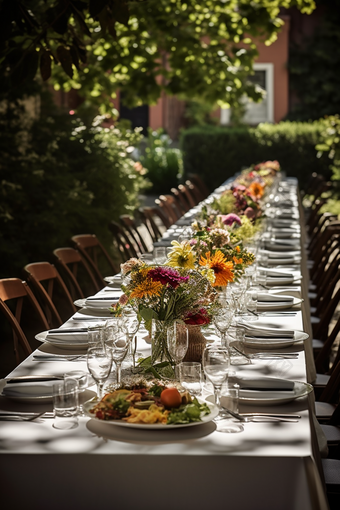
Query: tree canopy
{"type": "Point", "coordinates": [198, 50]}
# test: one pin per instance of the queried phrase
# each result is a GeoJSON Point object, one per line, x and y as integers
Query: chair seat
{"type": "Point", "coordinates": [317, 344]}
{"type": "Point", "coordinates": [332, 433]}
{"type": "Point", "coordinates": [321, 380]}
{"type": "Point", "coordinates": [331, 469]}
{"type": "Point", "coordinates": [323, 410]}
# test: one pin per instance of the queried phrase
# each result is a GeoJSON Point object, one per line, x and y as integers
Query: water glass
{"type": "Point", "coordinates": [190, 376]}
{"type": "Point", "coordinates": [229, 399]}
{"type": "Point", "coordinates": [117, 343]}
{"type": "Point", "coordinates": [160, 255]}
{"type": "Point", "coordinates": [82, 380]}
{"type": "Point", "coordinates": [177, 343]}
{"type": "Point", "coordinates": [65, 404]}
{"type": "Point", "coordinates": [147, 258]}
{"type": "Point", "coordinates": [216, 362]}
{"type": "Point", "coordinates": [95, 335]}
{"type": "Point", "coordinates": [250, 304]}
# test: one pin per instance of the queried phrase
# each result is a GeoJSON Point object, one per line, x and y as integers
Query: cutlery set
{"type": "Point", "coordinates": [263, 417]}
{"type": "Point", "coordinates": [267, 355]}
{"type": "Point", "coordinates": [19, 416]}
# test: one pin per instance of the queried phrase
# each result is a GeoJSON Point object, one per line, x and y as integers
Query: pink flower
{"type": "Point", "coordinates": [250, 213]}
{"type": "Point", "coordinates": [167, 276]}
{"type": "Point", "coordinates": [231, 218]}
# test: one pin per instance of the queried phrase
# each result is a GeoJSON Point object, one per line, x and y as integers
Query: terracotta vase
{"type": "Point", "coordinates": [197, 343]}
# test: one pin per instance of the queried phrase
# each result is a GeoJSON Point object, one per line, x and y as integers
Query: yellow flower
{"type": "Point", "coordinates": [147, 288]}
{"type": "Point", "coordinates": [209, 274]}
{"type": "Point", "coordinates": [181, 255]}
{"type": "Point", "coordinates": [256, 190]}
{"type": "Point", "coordinates": [222, 268]}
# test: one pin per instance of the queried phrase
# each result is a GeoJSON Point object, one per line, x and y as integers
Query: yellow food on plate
{"type": "Point", "coordinates": [154, 414]}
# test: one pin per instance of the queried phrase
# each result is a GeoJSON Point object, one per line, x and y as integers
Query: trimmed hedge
{"type": "Point", "coordinates": [217, 153]}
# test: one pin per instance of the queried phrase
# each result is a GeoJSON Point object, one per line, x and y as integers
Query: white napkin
{"type": "Point", "coordinates": [267, 297]}
{"type": "Point", "coordinates": [29, 389]}
{"type": "Point", "coordinates": [275, 272]}
{"type": "Point", "coordinates": [101, 302]}
{"type": "Point", "coordinates": [63, 334]}
{"type": "Point", "coordinates": [281, 255]}
{"type": "Point", "coordinates": [266, 332]}
{"type": "Point", "coordinates": [265, 387]}
{"type": "Point", "coordinates": [79, 317]}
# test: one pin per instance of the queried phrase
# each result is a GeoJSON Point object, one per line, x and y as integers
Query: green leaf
{"type": "Point", "coordinates": [148, 314]}
{"type": "Point", "coordinates": [65, 59]}
{"type": "Point", "coordinates": [45, 65]}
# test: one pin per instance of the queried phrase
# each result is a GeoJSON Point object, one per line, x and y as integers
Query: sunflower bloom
{"type": "Point", "coordinates": [147, 288]}
{"type": "Point", "coordinates": [256, 190]}
{"type": "Point", "coordinates": [181, 255]}
{"type": "Point", "coordinates": [222, 268]}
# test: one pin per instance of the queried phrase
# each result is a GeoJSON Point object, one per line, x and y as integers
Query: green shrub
{"type": "Point", "coordinates": [217, 153]}
{"type": "Point", "coordinates": [58, 178]}
{"type": "Point", "coordinates": [163, 162]}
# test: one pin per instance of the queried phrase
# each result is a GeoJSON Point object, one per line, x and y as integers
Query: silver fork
{"type": "Point", "coordinates": [260, 418]}
{"type": "Point", "coordinates": [269, 355]}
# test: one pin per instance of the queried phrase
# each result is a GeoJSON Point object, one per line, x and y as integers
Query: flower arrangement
{"type": "Point", "coordinates": [167, 295]}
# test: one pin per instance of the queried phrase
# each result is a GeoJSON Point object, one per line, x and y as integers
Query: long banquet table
{"type": "Point", "coordinates": [267, 466]}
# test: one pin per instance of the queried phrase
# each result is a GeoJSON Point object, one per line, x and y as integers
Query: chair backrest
{"type": "Point", "coordinates": [124, 244]}
{"type": "Point", "coordinates": [195, 190]}
{"type": "Point", "coordinates": [181, 202]}
{"type": "Point", "coordinates": [323, 357]}
{"type": "Point", "coordinates": [16, 291]}
{"type": "Point", "coordinates": [76, 269]}
{"type": "Point", "coordinates": [168, 205]}
{"type": "Point", "coordinates": [187, 191]}
{"type": "Point", "coordinates": [148, 219]}
{"type": "Point", "coordinates": [94, 253]}
{"type": "Point", "coordinates": [320, 330]}
{"type": "Point", "coordinates": [129, 224]}
{"type": "Point", "coordinates": [161, 211]}
{"type": "Point", "coordinates": [39, 272]}
{"type": "Point", "coordinates": [197, 179]}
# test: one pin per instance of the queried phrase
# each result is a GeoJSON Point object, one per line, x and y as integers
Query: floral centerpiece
{"type": "Point", "coordinates": [164, 294]}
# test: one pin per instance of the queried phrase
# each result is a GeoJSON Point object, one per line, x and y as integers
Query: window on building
{"type": "Point", "coordinates": [263, 77]}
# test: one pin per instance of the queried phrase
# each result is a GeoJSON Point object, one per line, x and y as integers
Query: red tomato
{"type": "Point", "coordinates": [171, 397]}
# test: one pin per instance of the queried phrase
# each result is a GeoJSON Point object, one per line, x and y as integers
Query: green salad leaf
{"type": "Point", "coordinates": [188, 413]}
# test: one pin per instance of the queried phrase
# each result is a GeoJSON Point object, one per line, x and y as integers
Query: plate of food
{"type": "Point", "coordinates": [150, 406]}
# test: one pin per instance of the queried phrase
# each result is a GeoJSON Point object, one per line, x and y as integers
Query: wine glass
{"type": "Point", "coordinates": [99, 363]}
{"type": "Point", "coordinates": [117, 342]}
{"type": "Point", "coordinates": [178, 343]}
{"type": "Point", "coordinates": [222, 320]}
{"type": "Point", "coordinates": [130, 325]}
{"type": "Point", "coordinates": [237, 292]}
{"type": "Point", "coordinates": [216, 363]}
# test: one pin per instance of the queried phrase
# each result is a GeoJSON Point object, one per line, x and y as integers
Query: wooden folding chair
{"type": "Point", "coordinates": [168, 205]}
{"type": "Point", "coordinates": [76, 270]}
{"type": "Point", "coordinates": [130, 226]}
{"type": "Point", "coordinates": [148, 218]}
{"type": "Point", "coordinates": [195, 190]}
{"type": "Point", "coordinates": [124, 244]}
{"type": "Point", "coordinates": [181, 202]}
{"type": "Point", "coordinates": [197, 179]}
{"type": "Point", "coordinates": [187, 192]}
{"type": "Point", "coordinates": [16, 291]}
{"type": "Point", "coordinates": [95, 255]}
{"type": "Point", "coordinates": [43, 274]}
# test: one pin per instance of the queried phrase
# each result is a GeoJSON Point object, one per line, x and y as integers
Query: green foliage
{"type": "Point", "coordinates": [197, 50]}
{"type": "Point", "coordinates": [163, 162]}
{"type": "Point", "coordinates": [330, 143]}
{"type": "Point", "coordinates": [60, 177]}
{"type": "Point", "coordinates": [217, 153]}
{"type": "Point", "coordinates": [314, 68]}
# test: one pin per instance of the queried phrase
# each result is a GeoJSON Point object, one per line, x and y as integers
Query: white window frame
{"type": "Point", "coordinates": [269, 68]}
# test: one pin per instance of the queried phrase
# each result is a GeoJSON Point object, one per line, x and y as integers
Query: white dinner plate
{"type": "Point", "coordinates": [277, 305]}
{"type": "Point", "coordinates": [81, 303]}
{"type": "Point", "coordinates": [276, 343]}
{"type": "Point", "coordinates": [271, 280]}
{"type": "Point", "coordinates": [159, 426]}
{"type": "Point", "coordinates": [301, 389]}
{"type": "Point", "coordinates": [114, 279]}
{"type": "Point", "coordinates": [62, 344]}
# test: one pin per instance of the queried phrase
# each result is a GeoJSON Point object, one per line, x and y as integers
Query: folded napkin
{"type": "Point", "coordinates": [264, 297]}
{"type": "Point", "coordinates": [73, 335]}
{"type": "Point", "coordinates": [101, 302]}
{"type": "Point", "coordinates": [275, 272]}
{"type": "Point", "coordinates": [29, 389]}
{"type": "Point", "coordinates": [280, 255]}
{"type": "Point", "coordinates": [265, 332]}
{"type": "Point", "coordinates": [265, 387]}
{"type": "Point", "coordinates": [80, 317]}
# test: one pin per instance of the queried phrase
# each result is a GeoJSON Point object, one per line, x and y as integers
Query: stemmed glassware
{"type": "Point", "coordinates": [216, 363]}
{"type": "Point", "coordinates": [222, 320]}
{"type": "Point", "coordinates": [160, 255]}
{"type": "Point", "coordinates": [177, 343]}
{"type": "Point", "coordinates": [238, 290]}
{"type": "Point", "coordinates": [99, 364]}
{"type": "Point", "coordinates": [130, 325]}
{"type": "Point", "coordinates": [118, 343]}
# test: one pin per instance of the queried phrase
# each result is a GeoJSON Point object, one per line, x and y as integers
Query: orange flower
{"type": "Point", "coordinates": [222, 268]}
{"type": "Point", "coordinates": [238, 249]}
{"type": "Point", "coordinates": [256, 190]}
{"type": "Point", "coordinates": [147, 288]}
{"type": "Point", "coordinates": [237, 261]}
